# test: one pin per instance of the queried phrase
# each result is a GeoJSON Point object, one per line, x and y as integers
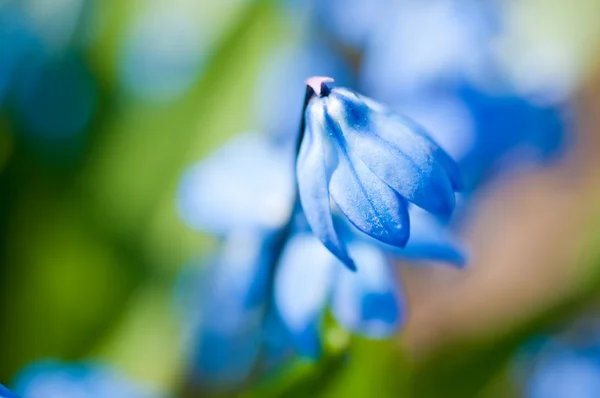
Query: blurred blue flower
{"type": "Point", "coordinates": [308, 277]}
{"type": "Point", "coordinates": [565, 374]}
{"type": "Point", "coordinates": [216, 194]}
{"type": "Point", "coordinates": [228, 311]}
{"type": "Point", "coordinates": [6, 393]}
{"type": "Point", "coordinates": [510, 129]}
{"type": "Point", "coordinates": [424, 46]}
{"type": "Point", "coordinates": [53, 379]}
{"type": "Point", "coordinates": [353, 22]}
{"type": "Point", "coordinates": [485, 131]}
{"type": "Point", "coordinates": [433, 62]}
{"type": "Point", "coordinates": [369, 302]}
{"type": "Point", "coordinates": [271, 280]}
{"type": "Point", "coordinates": [566, 364]}
{"type": "Point", "coordinates": [370, 161]}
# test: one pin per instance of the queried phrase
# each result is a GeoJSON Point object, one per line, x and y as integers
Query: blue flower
{"type": "Point", "coordinates": [370, 302]}
{"type": "Point", "coordinates": [563, 365]}
{"type": "Point", "coordinates": [432, 61]}
{"type": "Point", "coordinates": [53, 379]}
{"type": "Point", "coordinates": [228, 311]}
{"type": "Point", "coordinates": [486, 132]}
{"type": "Point", "coordinates": [268, 285]}
{"type": "Point", "coordinates": [426, 45]}
{"type": "Point", "coordinates": [216, 194]}
{"type": "Point", "coordinates": [370, 161]}
{"type": "Point", "coordinates": [565, 374]}
{"type": "Point", "coordinates": [309, 278]}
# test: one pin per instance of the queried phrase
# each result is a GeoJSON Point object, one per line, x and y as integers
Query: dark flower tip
{"type": "Point", "coordinates": [319, 85]}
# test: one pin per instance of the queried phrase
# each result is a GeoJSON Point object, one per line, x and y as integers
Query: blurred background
{"type": "Point", "coordinates": [105, 105]}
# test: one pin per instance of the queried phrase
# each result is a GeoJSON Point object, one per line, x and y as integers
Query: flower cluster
{"type": "Point", "coordinates": [287, 256]}
{"type": "Point", "coordinates": [314, 223]}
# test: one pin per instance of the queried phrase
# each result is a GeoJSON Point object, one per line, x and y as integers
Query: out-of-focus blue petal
{"type": "Point", "coordinates": [354, 22]}
{"type": "Point", "coordinates": [507, 125]}
{"type": "Point", "coordinates": [424, 45]}
{"type": "Point", "coordinates": [565, 375]}
{"type": "Point", "coordinates": [447, 118]}
{"type": "Point", "coordinates": [430, 240]}
{"type": "Point", "coordinates": [6, 393]}
{"type": "Point", "coordinates": [247, 183]}
{"type": "Point", "coordinates": [227, 335]}
{"type": "Point", "coordinates": [53, 379]}
{"type": "Point", "coordinates": [398, 151]}
{"type": "Point", "coordinates": [368, 301]}
{"type": "Point", "coordinates": [277, 347]}
{"type": "Point", "coordinates": [313, 183]}
{"type": "Point", "coordinates": [225, 359]}
{"type": "Point", "coordinates": [302, 288]}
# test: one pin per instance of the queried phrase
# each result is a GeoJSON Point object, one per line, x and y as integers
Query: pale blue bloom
{"type": "Point", "coordinates": [228, 311]}
{"type": "Point", "coordinates": [53, 379]}
{"type": "Point", "coordinates": [432, 61]}
{"type": "Point", "coordinates": [566, 364]}
{"type": "Point", "coordinates": [486, 131]}
{"type": "Point", "coordinates": [355, 23]}
{"type": "Point", "coordinates": [566, 374]}
{"type": "Point", "coordinates": [248, 183]}
{"type": "Point", "coordinates": [430, 240]}
{"type": "Point", "coordinates": [369, 302]}
{"type": "Point", "coordinates": [309, 277]}
{"type": "Point", "coordinates": [370, 161]}
{"type": "Point", "coordinates": [426, 45]}
{"type": "Point", "coordinates": [270, 281]}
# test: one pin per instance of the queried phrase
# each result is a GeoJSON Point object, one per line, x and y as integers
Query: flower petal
{"type": "Point", "coordinates": [429, 240]}
{"type": "Point", "coordinates": [313, 179]}
{"type": "Point", "coordinates": [246, 183]}
{"type": "Point", "coordinates": [227, 320]}
{"type": "Point", "coordinates": [225, 358]}
{"type": "Point", "coordinates": [370, 204]}
{"type": "Point", "coordinates": [368, 301]}
{"type": "Point", "coordinates": [398, 151]}
{"type": "Point", "coordinates": [302, 286]}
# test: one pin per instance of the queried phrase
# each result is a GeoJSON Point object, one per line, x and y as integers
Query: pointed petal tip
{"type": "Point", "coordinates": [460, 259]}
{"type": "Point", "coordinates": [319, 85]}
{"type": "Point", "coordinates": [349, 263]}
